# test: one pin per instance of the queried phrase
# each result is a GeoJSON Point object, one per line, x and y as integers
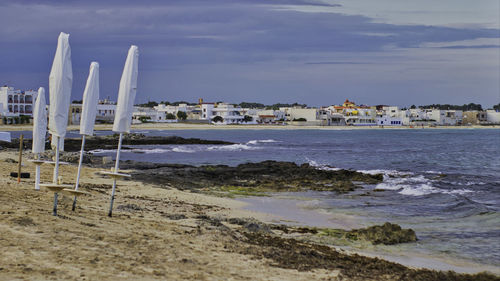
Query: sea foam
{"type": "Point", "coordinates": [232, 147]}
{"type": "Point", "coordinates": [254, 142]}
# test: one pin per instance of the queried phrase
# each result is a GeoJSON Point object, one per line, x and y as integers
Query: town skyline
{"type": "Point", "coordinates": [268, 51]}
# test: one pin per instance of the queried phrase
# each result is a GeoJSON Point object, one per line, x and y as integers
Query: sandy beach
{"type": "Point", "coordinates": [138, 242]}
{"type": "Point", "coordinates": [162, 233]}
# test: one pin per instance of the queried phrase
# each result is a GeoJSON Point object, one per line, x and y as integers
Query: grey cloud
{"type": "Point", "coordinates": [336, 62]}
{"type": "Point", "coordinates": [471, 47]}
{"type": "Point", "coordinates": [177, 37]}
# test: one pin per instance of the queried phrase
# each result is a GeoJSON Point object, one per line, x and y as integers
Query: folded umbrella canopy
{"type": "Point", "coordinates": [90, 98]}
{"type": "Point", "coordinates": [126, 93]}
{"type": "Point", "coordinates": [124, 109]}
{"type": "Point", "coordinates": [39, 131]}
{"type": "Point", "coordinates": [60, 83]}
{"type": "Point", "coordinates": [39, 123]}
{"type": "Point", "coordinates": [89, 110]}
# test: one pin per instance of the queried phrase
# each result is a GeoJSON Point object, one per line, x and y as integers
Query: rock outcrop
{"type": "Point", "coordinates": [264, 176]}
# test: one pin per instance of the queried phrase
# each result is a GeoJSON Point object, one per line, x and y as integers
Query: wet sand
{"type": "Point", "coordinates": [158, 234]}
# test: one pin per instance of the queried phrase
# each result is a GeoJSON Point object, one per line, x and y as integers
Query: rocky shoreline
{"type": "Point", "coordinates": [111, 142]}
{"type": "Point", "coordinates": [266, 176]}
{"type": "Point", "coordinates": [159, 232]}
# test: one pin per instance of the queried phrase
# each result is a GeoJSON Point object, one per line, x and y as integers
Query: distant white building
{"type": "Point", "coordinates": [228, 113]}
{"type": "Point", "coordinates": [309, 114]}
{"type": "Point", "coordinates": [353, 114]}
{"type": "Point", "coordinates": [268, 116]}
{"type": "Point", "coordinates": [105, 112]}
{"type": "Point", "coordinates": [147, 114]}
{"type": "Point", "coordinates": [445, 117]}
{"type": "Point", "coordinates": [417, 117]}
{"type": "Point", "coordinates": [390, 116]}
{"type": "Point", "coordinates": [432, 116]}
{"type": "Point", "coordinates": [16, 102]}
{"type": "Point", "coordinates": [492, 116]}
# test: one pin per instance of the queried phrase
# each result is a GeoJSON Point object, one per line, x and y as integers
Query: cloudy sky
{"type": "Point", "coordinates": [317, 52]}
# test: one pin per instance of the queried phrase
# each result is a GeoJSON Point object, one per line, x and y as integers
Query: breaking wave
{"type": "Point", "coordinates": [254, 142]}
{"type": "Point", "coordinates": [319, 166]}
{"type": "Point", "coordinates": [385, 172]}
{"type": "Point", "coordinates": [150, 151]}
{"type": "Point", "coordinates": [416, 186]}
{"type": "Point", "coordinates": [232, 147]}
{"type": "Point", "coordinates": [102, 151]}
{"type": "Point", "coordinates": [183, 150]}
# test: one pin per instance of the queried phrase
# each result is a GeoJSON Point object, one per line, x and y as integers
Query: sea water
{"type": "Point", "coordinates": [444, 184]}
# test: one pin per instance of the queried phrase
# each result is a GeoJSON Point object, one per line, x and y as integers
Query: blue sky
{"type": "Point", "coordinates": [307, 51]}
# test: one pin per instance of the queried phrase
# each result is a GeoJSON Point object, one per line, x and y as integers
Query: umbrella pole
{"type": "Point", "coordinates": [56, 166]}
{"type": "Point", "coordinates": [56, 175]}
{"type": "Point", "coordinates": [37, 179]}
{"type": "Point", "coordinates": [117, 164]}
{"type": "Point", "coordinates": [79, 171]}
{"type": "Point", "coordinates": [19, 163]}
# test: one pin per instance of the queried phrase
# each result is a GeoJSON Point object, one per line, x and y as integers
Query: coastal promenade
{"type": "Point", "coordinates": [183, 126]}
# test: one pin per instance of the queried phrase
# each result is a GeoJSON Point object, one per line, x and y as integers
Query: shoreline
{"type": "Point", "coordinates": [294, 212]}
{"type": "Point", "coordinates": [155, 233]}
{"type": "Point", "coordinates": [184, 126]}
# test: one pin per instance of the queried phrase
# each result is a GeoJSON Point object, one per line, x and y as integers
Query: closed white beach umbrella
{"type": "Point", "coordinates": [39, 123]}
{"type": "Point", "coordinates": [126, 93]}
{"type": "Point", "coordinates": [39, 131]}
{"type": "Point", "coordinates": [90, 98]}
{"type": "Point", "coordinates": [89, 110]}
{"type": "Point", "coordinates": [60, 83]}
{"type": "Point", "coordinates": [124, 109]}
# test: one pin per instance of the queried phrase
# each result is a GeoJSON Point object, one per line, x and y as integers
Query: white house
{"type": "Point", "coordinates": [492, 116]}
{"type": "Point", "coordinates": [149, 114]}
{"type": "Point", "coordinates": [390, 116]}
{"type": "Point", "coordinates": [353, 114]}
{"type": "Point", "coordinates": [309, 114]}
{"type": "Point", "coordinates": [445, 117]}
{"type": "Point", "coordinates": [361, 116]}
{"type": "Point", "coordinates": [105, 112]}
{"type": "Point", "coordinates": [228, 113]}
{"type": "Point", "coordinates": [268, 116]}
{"type": "Point", "coordinates": [16, 102]}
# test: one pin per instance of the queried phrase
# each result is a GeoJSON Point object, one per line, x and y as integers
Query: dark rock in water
{"type": "Point", "coordinates": [111, 142]}
{"type": "Point", "coordinates": [255, 177]}
{"type": "Point", "coordinates": [387, 234]}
